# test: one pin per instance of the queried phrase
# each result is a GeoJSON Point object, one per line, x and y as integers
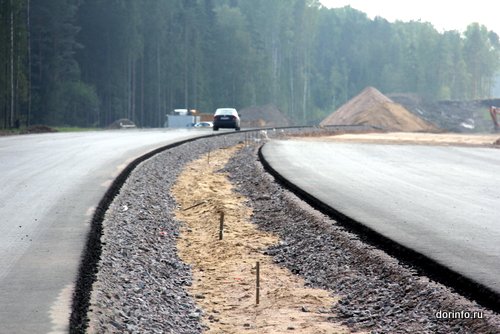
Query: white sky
{"type": "Point", "coordinates": [443, 14]}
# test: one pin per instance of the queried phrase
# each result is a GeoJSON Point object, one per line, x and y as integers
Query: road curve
{"type": "Point", "coordinates": [49, 187]}
{"type": "Point", "coordinates": [441, 201]}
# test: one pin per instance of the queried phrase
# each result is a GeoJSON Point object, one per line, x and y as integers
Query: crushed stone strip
{"type": "Point", "coordinates": [141, 283]}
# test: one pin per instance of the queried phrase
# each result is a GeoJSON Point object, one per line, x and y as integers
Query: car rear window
{"type": "Point", "coordinates": [227, 111]}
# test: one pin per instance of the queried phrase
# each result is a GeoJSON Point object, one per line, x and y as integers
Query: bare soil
{"type": "Point", "coordinates": [224, 271]}
{"type": "Point", "coordinates": [415, 138]}
{"type": "Point", "coordinates": [470, 116]}
{"type": "Point", "coordinates": [8, 132]}
{"type": "Point", "coordinates": [263, 116]}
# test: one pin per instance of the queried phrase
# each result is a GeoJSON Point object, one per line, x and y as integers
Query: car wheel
{"type": "Point", "coordinates": [216, 129]}
{"type": "Point", "coordinates": [237, 129]}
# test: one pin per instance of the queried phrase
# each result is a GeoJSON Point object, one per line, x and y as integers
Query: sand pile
{"type": "Point", "coordinates": [262, 116]}
{"type": "Point", "coordinates": [373, 108]}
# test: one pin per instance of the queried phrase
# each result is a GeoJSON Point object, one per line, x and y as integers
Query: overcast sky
{"type": "Point", "coordinates": [443, 14]}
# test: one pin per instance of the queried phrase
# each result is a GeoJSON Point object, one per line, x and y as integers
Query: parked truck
{"type": "Point", "coordinates": [181, 118]}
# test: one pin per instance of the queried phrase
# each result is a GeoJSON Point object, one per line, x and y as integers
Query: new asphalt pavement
{"type": "Point", "coordinates": [441, 201]}
{"type": "Point", "coordinates": [50, 185]}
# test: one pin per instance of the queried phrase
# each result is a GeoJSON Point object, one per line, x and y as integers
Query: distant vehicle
{"type": "Point", "coordinates": [122, 123]}
{"type": "Point", "coordinates": [180, 112]}
{"type": "Point", "coordinates": [226, 118]}
{"type": "Point", "coordinates": [204, 125]}
{"type": "Point", "coordinates": [181, 118]}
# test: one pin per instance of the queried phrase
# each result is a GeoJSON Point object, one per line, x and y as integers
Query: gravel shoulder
{"type": "Point", "coordinates": [142, 285]}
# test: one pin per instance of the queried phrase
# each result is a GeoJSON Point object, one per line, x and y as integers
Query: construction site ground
{"type": "Point", "coordinates": [224, 271]}
{"type": "Point", "coordinates": [414, 138]}
{"type": "Point", "coordinates": [164, 270]}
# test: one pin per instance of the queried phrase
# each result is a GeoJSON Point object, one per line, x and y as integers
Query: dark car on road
{"type": "Point", "coordinates": [226, 118]}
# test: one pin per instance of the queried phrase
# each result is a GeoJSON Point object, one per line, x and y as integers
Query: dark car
{"type": "Point", "coordinates": [226, 118]}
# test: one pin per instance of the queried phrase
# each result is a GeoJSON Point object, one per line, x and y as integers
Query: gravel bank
{"type": "Point", "coordinates": [141, 283]}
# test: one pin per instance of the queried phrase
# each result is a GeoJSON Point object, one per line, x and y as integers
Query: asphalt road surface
{"type": "Point", "coordinates": [49, 187]}
{"type": "Point", "coordinates": [442, 201]}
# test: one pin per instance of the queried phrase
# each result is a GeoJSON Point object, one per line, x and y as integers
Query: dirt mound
{"type": "Point", "coordinates": [38, 129]}
{"type": "Point", "coordinates": [469, 116]}
{"type": "Point", "coordinates": [7, 132]}
{"type": "Point", "coordinates": [262, 116]}
{"type": "Point", "coordinates": [373, 108]}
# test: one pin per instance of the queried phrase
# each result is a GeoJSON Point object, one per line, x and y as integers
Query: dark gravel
{"type": "Point", "coordinates": [140, 286]}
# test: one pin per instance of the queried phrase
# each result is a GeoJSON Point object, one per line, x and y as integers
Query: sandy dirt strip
{"type": "Point", "coordinates": [224, 271]}
{"type": "Point", "coordinates": [415, 138]}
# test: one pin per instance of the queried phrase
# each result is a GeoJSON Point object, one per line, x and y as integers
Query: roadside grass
{"type": "Point", "coordinates": [42, 129]}
{"type": "Point", "coordinates": [9, 132]}
{"type": "Point", "coordinates": [74, 129]}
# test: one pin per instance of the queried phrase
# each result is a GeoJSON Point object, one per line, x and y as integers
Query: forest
{"type": "Point", "coordinates": [87, 63]}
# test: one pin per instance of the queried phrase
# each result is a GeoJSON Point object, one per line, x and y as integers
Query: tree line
{"type": "Point", "coordinates": [89, 62]}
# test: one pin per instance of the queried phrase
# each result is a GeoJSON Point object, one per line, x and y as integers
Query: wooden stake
{"type": "Point", "coordinates": [221, 225]}
{"type": "Point", "coordinates": [257, 290]}
{"type": "Point", "coordinates": [194, 206]}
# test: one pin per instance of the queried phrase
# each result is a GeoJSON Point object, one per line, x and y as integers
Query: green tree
{"type": "Point", "coordinates": [14, 71]}
{"type": "Point", "coordinates": [55, 71]}
{"type": "Point", "coordinates": [91, 62]}
{"type": "Point", "coordinates": [233, 57]}
{"type": "Point", "coordinates": [112, 48]}
{"type": "Point", "coordinates": [481, 58]}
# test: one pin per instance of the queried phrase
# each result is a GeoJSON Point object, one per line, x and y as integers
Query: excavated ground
{"type": "Point", "coordinates": [414, 138]}
{"type": "Point", "coordinates": [154, 275]}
